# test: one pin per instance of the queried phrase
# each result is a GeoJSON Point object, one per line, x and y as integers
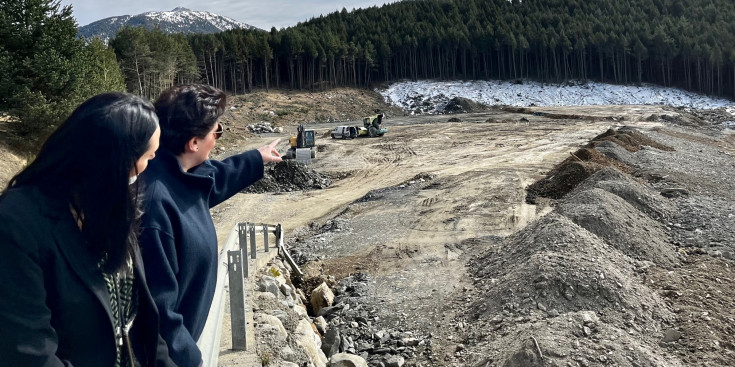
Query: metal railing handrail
{"type": "Point", "coordinates": [232, 265]}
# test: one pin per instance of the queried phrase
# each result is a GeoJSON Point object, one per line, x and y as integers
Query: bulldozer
{"type": "Point", "coordinates": [373, 126]}
{"type": "Point", "coordinates": [303, 145]}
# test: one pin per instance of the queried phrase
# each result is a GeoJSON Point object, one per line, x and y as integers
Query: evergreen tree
{"type": "Point", "coordinates": [43, 65]}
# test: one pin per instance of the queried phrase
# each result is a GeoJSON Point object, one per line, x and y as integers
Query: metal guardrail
{"type": "Point", "coordinates": [233, 267]}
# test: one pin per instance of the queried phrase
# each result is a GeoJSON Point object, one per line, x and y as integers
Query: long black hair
{"type": "Point", "coordinates": [187, 111]}
{"type": "Point", "coordinates": [87, 162]}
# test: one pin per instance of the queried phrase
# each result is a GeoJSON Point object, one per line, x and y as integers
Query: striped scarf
{"type": "Point", "coordinates": [123, 304]}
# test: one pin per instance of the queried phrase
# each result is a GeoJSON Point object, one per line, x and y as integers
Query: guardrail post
{"type": "Point", "coordinates": [253, 250]}
{"type": "Point", "coordinates": [242, 232]}
{"type": "Point", "coordinates": [237, 299]}
{"type": "Point", "coordinates": [265, 236]}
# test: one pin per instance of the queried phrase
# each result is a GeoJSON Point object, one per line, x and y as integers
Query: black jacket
{"type": "Point", "coordinates": [179, 242]}
{"type": "Point", "coordinates": [54, 304]}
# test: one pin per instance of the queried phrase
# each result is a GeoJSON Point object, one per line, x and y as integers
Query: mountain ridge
{"type": "Point", "coordinates": [178, 20]}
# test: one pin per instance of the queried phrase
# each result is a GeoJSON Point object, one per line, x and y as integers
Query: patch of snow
{"type": "Point", "coordinates": [431, 96]}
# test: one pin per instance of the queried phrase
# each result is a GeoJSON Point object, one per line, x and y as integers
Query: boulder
{"type": "Point", "coordinates": [265, 319]}
{"type": "Point", "coordinates": [269, 284]}
{"type": "Point", "coordinates": [321, 297]}
{"type": "Point", "coordinates": [310, 342]}
{"type": "Point", "coordinates": [347, 360]}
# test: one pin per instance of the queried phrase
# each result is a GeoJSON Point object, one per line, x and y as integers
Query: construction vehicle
{"type": "Point", "coordinates": [372, 126]}
{"type": "Point", "coordinates": [302, 145]}
{"type": "Point", "coordinates": [344, 132]}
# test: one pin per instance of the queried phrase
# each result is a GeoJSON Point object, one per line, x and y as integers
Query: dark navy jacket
{"type": "Point", "coordinates": [54, 304]}
{"type": "Point", "coordinates": [179, 243]}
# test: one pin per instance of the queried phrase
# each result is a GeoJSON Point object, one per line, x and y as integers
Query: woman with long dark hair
{"type": "Point", "coordinates": [178, 239]}
{"type": "Point", "coordinates": [72, 286]}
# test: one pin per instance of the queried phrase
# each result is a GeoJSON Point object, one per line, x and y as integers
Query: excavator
{"type": "Point", "coordinates": [303, 145]}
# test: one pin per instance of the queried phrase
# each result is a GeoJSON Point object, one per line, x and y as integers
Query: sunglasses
{"type": "Point", "coordinates": [218, 133]}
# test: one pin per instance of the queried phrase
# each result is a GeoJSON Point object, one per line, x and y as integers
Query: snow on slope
{"type": "Point", "coordinates": [431, 96]}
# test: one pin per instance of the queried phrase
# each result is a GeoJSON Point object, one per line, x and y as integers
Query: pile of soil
{"type": "Point", "coordinates": [620, 224]}
{"type": "Point", "coordinates": [571, 172]}
{"type": "Point", "coordinates": [631, 190]}
{"type": "Point", "coordinates": [610, 149]}
{"type": "Point", "coordinates": [556, 290]}
{"type": "Point", "coordinates": [288, 176]}
{"type": "Point", "coordinates": [460, 105]}
{"type": "Point", "coordinates": [630, 139]}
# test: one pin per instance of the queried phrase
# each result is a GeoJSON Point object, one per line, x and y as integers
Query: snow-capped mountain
{"type": "Point", "coordinates": [179, 20]}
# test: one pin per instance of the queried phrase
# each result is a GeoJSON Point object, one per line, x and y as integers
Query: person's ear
{"type": "Point", "coordinates": [192, 145]}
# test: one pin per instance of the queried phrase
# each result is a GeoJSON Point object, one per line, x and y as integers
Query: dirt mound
{"type": "Point", "coordinates": [577, 339]}
{"type": "Point", "coordinates": [633, 192]}
{"type": "Point", "coordinates": [630, 139]}
{"type": "Point", "coordinates": [571, 172]}
{"type": "Point", "coordinates": [615, 152]}
{"type": "Point", "coordinates": [620, 224]}
{"type": "Point", "coordinates": [551, 267]}
{"type": "Point", "coordinates": [461, 105]}
{"type": "Point", "coordinates": [289, 176]}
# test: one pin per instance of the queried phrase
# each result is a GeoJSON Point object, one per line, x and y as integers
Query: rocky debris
{"type": "Point", "coordinates": [421, 180]}
{"type": "Point", "coordinates": [288, 176]}
{"type": "Point", "coordinates": [344, 333]}
{"type": "Point", "coordinates": [264, 127]}
{"type": "Point", "coordinates": [454, 119]}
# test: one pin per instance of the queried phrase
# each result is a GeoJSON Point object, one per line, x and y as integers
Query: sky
{"type": "Point", "coordinates": [263, 14]}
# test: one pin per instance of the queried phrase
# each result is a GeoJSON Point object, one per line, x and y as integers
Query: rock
{"type": "Point", "coordinates": [281, 315]}
{"type": "Point", "coordinates": [301, 311]}
{"type": "Point", "coordinates": [264, 297]}
{"type": "Point", "coordinates": [266, 319]}
{"type": "Point", "coordinates": [326, 311]}
{"type": "Point", "coordinates": [331, 342]}
{"type": "Point", "coordinates": [287, 354]}
{"type": "Point", "coordinates": [671, 335]}
{"type": "Point", "coordinates": [286, 290]}
{"type": "Point", "coordinates": [321, 297]}
{"type": "Point", "coordinates": [347, 360]}
{"type": "Point", "coordinates": [310, 342]}
{"type": "Point", "coordinates": [288, 364]}
{"type": "Point", "coordinates": [269, 284]}
{"type": "Point", "coordinates": [674, 192]}
{"type": "Point", "coordinates": [393, 361]}
{"type": "Point", "coordinates": [321, 324]}
{"type": "Point", "coordinates": [589, 317]}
